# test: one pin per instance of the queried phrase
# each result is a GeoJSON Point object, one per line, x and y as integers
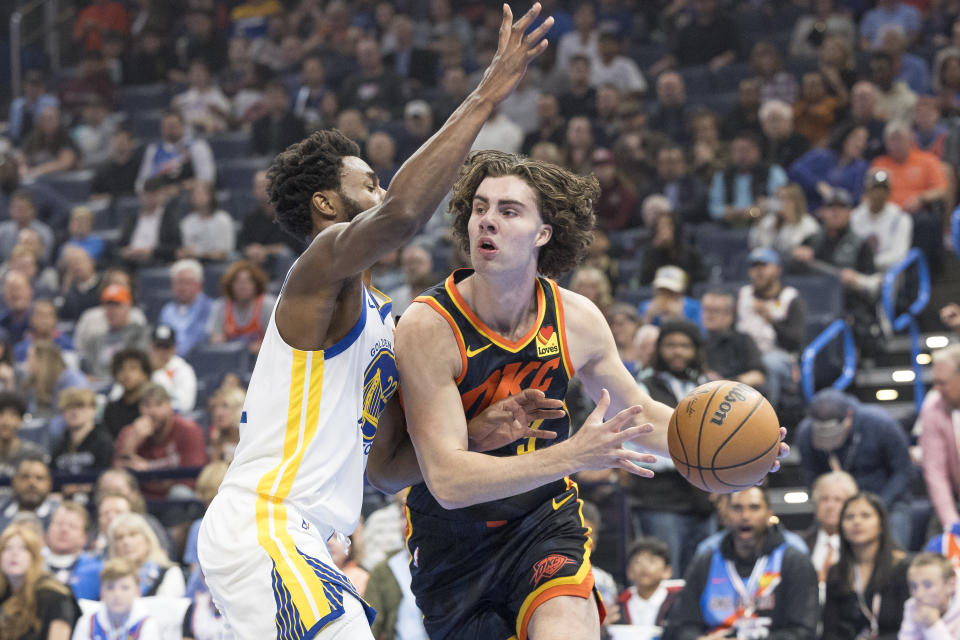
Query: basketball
{"type": "Point", "coordinates": [724, 436]}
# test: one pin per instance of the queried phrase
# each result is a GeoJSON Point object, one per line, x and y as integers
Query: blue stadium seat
{"type": "Point", "coordinates": [74, 186]}
{"type": "Point", "coordinates": [214, 360]}
{"type": "Point", "coordinates": [230, 144]}
{"type": "Point", "coordinates": [146, 124]}
{"type": "Point", "coordinates": [144, 97]}
{"type": "Point", "coordinates": [635, 296]}
{"type": "Point", "coordinates": [629, 242]}
{"type": "Point", "coordinates": [628, 274]}
{"type": "Point", "coordinates": [722, 247]}
{"type": "Point", "coordinates": [212, 272]}
{"type": "Point", "coordinates": [698, 80]}
{"type": "Point", "coordinates": [728, 78]}
{"type": "Point", "coordinates": [823, 295]}
{"type": "Point", "coordinates": [237, 173]}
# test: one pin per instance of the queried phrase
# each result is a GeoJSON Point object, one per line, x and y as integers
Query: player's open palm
{"type": "Point", "coordinates": [515, 50]}
{"type": "Point", "coordinates": [599, 443]}
{"type": "Point", "coordinates": [510, 419]}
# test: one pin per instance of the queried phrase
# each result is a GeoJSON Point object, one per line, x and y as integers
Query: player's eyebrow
{"type": "Point", "coordinates": [500, 203]}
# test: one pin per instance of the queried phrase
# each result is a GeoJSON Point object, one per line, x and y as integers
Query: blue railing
{"type": "Point", "coordinates": [908, 319]}
{"type": "Point", "coordinates": [955, 230]}
{"type": "Point", "coordinates": [809, 357]}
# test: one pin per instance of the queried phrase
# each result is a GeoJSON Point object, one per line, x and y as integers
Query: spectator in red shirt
{"type": "Point", "coordinates": [160, 439]}
{"type": "Point", "coordinates": [100, 18]}
{"type": "Point", "coordinates": [618, 197]}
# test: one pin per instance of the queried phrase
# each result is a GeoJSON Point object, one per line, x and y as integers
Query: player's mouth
{"type": "Point", "coordinates": [486, 246]}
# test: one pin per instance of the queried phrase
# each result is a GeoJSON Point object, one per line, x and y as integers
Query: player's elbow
{"type": "Point", "coordinates": [448, 491]}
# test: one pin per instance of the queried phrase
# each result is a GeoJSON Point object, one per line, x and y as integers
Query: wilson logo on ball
{"type": "Point", "coordinates": [721, 412]}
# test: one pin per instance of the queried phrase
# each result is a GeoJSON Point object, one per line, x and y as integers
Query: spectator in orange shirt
{"type": "Point", "coordinates": [917, 178]}
{"type": "Point", "coordinates": [97, 20]}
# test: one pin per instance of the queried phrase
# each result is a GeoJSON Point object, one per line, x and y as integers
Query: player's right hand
{"type": "Point", "coordinates": [515, 51]}
{"type": "Point", "coordinates": [599, 444]}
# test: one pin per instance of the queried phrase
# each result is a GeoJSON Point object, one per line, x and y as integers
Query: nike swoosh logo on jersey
{"type": "Point", "coordinates": [557, 505]}
{"type": "Point", "coordinates": [473, 352]}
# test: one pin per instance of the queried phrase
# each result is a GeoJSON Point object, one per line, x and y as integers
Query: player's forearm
{"type": "Point", "coordinates": [426, 177]}
{"type": "Point", "coordinates": [466, 478]}
{"type": "Point", "coordinates": [394, 470]}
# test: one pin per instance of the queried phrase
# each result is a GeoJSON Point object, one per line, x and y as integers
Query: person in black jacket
{"type": "Point", "coordinates": [754, 585]}
{"type": "Point", "coordinates": [867, 588]}
{"type": "Point", "coordinates": [153, 235]}
{"type": "Point", "coordinates": [280, 128]}
{"type": "Point", "coordinates": [666, 506]}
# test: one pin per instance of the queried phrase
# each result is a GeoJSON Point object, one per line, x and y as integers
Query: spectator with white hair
{"type": "Point", "coordinates": [783, 145]}
{"type": "Point", "coordinates": [190, 308]}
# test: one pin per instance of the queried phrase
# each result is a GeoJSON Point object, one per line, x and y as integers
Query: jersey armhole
{"type": "Point", "coordinates": [436, 306]}
{"type": "Point", "coordinates": [561, 325]}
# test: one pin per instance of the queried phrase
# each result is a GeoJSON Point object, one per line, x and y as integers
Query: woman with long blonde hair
{"type": "Point", "coordinates": [33, 604]}
{"type": "Point", "coordinates": [130, 537]}
{"type": "Point", "coordinates": [48, 375]}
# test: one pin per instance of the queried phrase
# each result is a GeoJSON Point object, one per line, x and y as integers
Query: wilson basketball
{"type": "Point", "coordinates": [724, 436]}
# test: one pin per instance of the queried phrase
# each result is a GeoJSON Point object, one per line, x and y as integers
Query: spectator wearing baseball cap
{"type": "Point", "coordinates": [171, 371]}
{"type": "Point", "coordinates": [97, 353]}
{"type": "Point", "coordinates": [669, 300]}
{"type": "Point", "coordinates": [775, 317]}
{"type": "Point", "coordinates": [839, 251]}
{"type": "Point", "coordinates": [840, 434]}
{"type": "Point", "coordinates": [882, 222]}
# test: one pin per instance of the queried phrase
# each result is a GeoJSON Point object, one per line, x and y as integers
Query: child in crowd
{"type": "Point", "coordinates": [933, 610]}
{"type": "Point", "coordinates": [81, 232]}
{"type": "Point", "coordinates": [647, 601]}
{"type": "Point", "coordinates": [120, 614]}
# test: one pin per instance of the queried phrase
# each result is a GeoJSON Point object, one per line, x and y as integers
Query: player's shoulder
{"type": "Point", "coordinates": [422, 321]}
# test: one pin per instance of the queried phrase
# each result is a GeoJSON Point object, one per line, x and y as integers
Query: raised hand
{"type": "Point", "coordinates": [599, 444]}
{"type": "Point", "coordinates": [515, 51]}
{"type": "Point", "coordinates": [509, 420]}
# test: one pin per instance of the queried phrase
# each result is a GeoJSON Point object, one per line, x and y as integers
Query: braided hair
{"type": "Point", "coordinates": [308, 166]}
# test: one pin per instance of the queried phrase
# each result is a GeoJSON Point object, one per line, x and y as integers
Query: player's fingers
{"type": "Point", "coordinates": [618, 421]}
{"type": "Point", "coordinates": [525, 20]}
{"type": "Point", "coordinates": [628, 466]}
{"type": "Point", "coordinates": [601, 409]}
{"type": "Point", "coordinates": [538, 433]}
{"type": "Point", "coordinates": [536, 51]}
{"type": "Point", "coordinates": [505, 25]}
{"type": "Point", "coordinates": [537, 34]}
{"type": "Point", "coordinates": [784, 450]}
{"type": "Point", "coordinates": [775, 467]}
{"type": "Point", "coordinates": [632, 433]}
{"type": "Point", "coordinates": [546, 414]}
{"type": "Point", "coordinates": [636, 456]}
{"type": "Point", "coordinates": [783, 434]}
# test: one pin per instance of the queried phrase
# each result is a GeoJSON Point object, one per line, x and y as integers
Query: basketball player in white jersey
{"type": "Point", "coordinates": [325, 377]}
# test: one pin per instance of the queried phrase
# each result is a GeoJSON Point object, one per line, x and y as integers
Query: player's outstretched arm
{"type": "Point", "coordinates": [598, 365]}
{"type": "Point", "coordinates": [393, 466]}
{"type": "Point", "coordinates": [423, 180]}
{"type": "Point", "coordinates": [429, 362]}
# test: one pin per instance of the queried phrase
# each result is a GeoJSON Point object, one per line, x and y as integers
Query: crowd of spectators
{"type": "Point", "coordinates": [749, 153]}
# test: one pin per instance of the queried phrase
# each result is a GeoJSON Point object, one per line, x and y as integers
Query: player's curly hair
{"type": "Point", "coordinates": [305, 167]}
{"type": "Point", "coordinates": [565, 201]}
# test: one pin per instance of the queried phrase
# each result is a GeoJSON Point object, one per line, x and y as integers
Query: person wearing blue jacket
{"type": "Point", "coordinates": [866, 442]}
{"type": "Point", "coordinates": [840, 165]}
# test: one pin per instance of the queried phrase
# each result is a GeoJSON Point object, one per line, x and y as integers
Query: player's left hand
{"type": "Point", "coordinates": [508, 420]}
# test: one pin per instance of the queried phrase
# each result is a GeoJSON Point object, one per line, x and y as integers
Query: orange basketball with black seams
{"type": "Point", "coordinates": [724, 436]}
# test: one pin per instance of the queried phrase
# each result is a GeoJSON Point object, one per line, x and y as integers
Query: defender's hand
{"type": "Point", "coordinates": [515, 51]}
{"type": "Point", "coordinates": [509, 420]}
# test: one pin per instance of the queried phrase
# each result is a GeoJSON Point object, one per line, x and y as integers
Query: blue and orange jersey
{"type": "Point", "coordinates": [493, 368]}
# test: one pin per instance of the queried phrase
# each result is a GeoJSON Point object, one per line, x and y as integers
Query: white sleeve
{"type": "Point", "coordinates": [185, 383]}
{"type": "Point", "coordinates": [150, 630]}
{"type": "Point", "coordinates": [82, 630]}
{"type": "Point", "coordinates": [172, 584]}
{"type": "Point", "coordinates": [202, 157]}
{"type": "Point", "coordinates": [145, 165]}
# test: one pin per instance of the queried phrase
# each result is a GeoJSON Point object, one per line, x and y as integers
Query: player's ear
{"type": "Point", "coordinates": [325, 204]}
{"type": "Point", "coordinates": [544, 235]}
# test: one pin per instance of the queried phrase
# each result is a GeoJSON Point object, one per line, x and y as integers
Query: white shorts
{"type": "Point", "coordinates": [271, 575]}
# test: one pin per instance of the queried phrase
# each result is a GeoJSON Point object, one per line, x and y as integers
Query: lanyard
{"type": "Point", "coordinates": [748, 592]}
{"type": "Point", "coordinates": [873, 616]}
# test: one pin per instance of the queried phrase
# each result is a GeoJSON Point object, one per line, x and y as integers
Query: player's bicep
{"type": "Point", "coordinates": [348, 248]}
{"type": "Point", "coordinates": [427, 357]}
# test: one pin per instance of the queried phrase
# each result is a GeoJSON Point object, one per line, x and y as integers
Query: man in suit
{"type": "Point", "coordinates": [407, 60]}
{"type": "Point", "coordinates": [830, 491]}
{"type": "Point", "coordinates": [153, 235]}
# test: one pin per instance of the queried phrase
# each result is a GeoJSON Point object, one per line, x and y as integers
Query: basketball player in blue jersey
{"type": "Point", "coordinates": [497, 542]}
{"type": "Point", "coordinates": [325, 380]}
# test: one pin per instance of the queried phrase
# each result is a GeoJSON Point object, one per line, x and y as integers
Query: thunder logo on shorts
{"type": "Point", "coordinates": [379, 384]}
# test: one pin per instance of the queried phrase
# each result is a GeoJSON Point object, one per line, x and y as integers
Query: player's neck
{"type": "Point", "coordinates": [504, 304]}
